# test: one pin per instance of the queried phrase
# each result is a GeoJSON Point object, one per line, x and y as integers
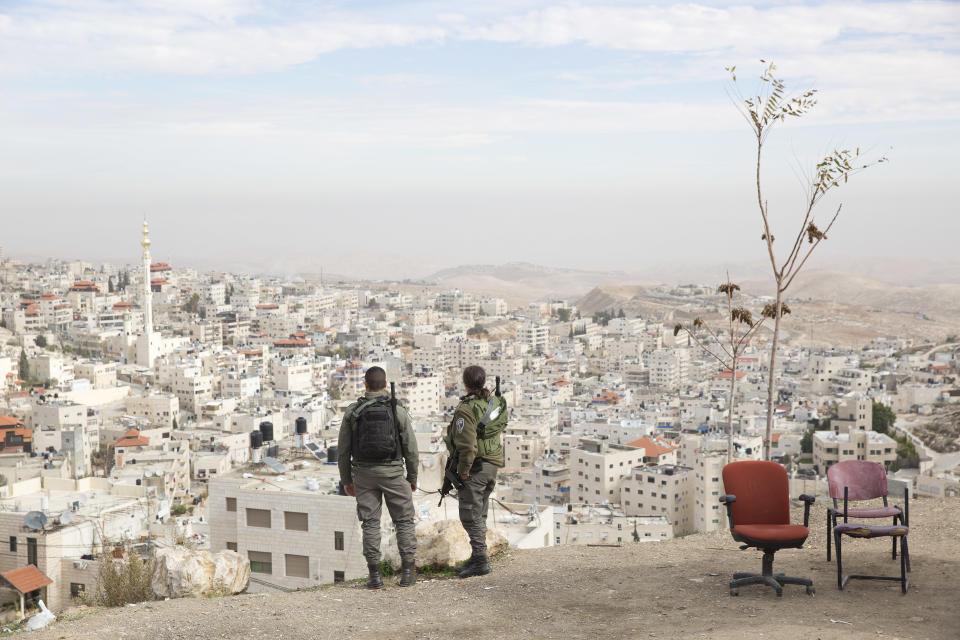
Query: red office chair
{"type": "Point", "coordinates": [864, 480]}
{"type": "Point", "coordinates": [758, 507]}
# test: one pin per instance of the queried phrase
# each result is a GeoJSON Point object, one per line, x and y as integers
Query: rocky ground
{"type": "Point", "coordinates": [675, 589]}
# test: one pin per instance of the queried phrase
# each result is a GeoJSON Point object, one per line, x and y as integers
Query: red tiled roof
{"type": "Point", "coordinates": [132, 438]}
{"type": "Point", "coordinates": [7, 422]}
{"type": "Point", "coordinates": [725, 375]}
{"type": "Point", "coordinates": [775, 437]}
{"type": "Point", "coordinates": [652, 448]}
{"type": "Point", "coordinates": [160, 266]}
{"type": "Point", "coordinates": [26, 579]}
{"type": "Point", "coordinates": [123, 304]}
{"type": "Point", "coordinates": [291, 343]}
{"type": "Point", "coordinates": [48, 296]}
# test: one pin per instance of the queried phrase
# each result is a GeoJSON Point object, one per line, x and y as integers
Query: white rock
{"type": "Point", "coordinates": [442, 544]}
{"type": "Point", "coordinates": [181, 572]}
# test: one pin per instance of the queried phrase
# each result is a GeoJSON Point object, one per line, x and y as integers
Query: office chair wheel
{"type": "Point", "coordinates": [734, 592]}
{"type": "Point", "coordinates": [811, 591]}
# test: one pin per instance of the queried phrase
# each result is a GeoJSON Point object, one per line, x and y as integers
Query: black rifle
{"type": "Point", "coordinates": [451, 480]}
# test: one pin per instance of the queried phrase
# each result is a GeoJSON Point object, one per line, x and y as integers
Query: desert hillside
{"type": "Point", "coordinates": [675, 589]}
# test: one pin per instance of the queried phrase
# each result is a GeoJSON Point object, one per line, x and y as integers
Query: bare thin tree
{"type": "Point", "coordinates": [762, 111]}
{"type": "Point", "coordinates": [740, 328]}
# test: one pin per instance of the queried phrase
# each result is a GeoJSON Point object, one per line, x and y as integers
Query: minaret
{"type": "Point", "coordinates": [148, 343]}
{"type": "Point", "coordinates": [147, 291]}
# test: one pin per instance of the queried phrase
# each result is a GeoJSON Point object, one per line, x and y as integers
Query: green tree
{"type": "Point", "coordinates": [175, 425]}
{"type": "Point", "coordinates": [41, 341]}
{"type": "Point", "coordinates": [334, 393]}
{"type": "Point", "coordinates": [3, 322]}
{"type": "Point", "coordinates": [763, 110]}
{"type": "Point", "coordinates": [24, 366]}
{"type": "Point", "coordinates": [178, 509]}
{"type": "Point", "coordinates": [883, 417]}
{"type": "Point", "coordinates": [110, 284]}
{"type": "Point", "coordinates": [806, 443]}
{"type": "Point", "coordinates": [193, 304]}
{"type": "Point", "coordinates": [563, 315]}
{"type": "Point", "coordinates": [476, 330]}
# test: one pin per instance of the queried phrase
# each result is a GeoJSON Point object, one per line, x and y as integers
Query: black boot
{"type": "Point", "coordinates": [479, 567]}
{"type": "Point", "coordinates": [466, 565]}
{"type": "Point", "coordinates": [375, 581]}
{"type": "Point", "coordinates": [408, 572]}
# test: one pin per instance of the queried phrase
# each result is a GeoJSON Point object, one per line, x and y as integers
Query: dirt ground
{"type": "Point", "coordinates": [674, 589]}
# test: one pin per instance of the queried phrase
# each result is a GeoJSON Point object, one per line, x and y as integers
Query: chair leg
{"type": "Point", "coordinates": [903, 565]}
{"type": "Point", "coordinates": [836, 540]}
{"type": "Point", "coordinates": [894, 539]}
{"type": "Point", "coordinates": [905, 551]}
{"type": "Point", "coordinates": [829, 533]}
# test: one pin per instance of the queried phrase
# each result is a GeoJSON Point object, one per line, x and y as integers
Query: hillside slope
{"type": "Point", "coordinates": [675, 589]}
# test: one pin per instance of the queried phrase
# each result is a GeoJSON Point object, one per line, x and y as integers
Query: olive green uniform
{"type": "Point", "coordinates": [480, 458]}
{"type": "Point", "coordinates": [375, 482]}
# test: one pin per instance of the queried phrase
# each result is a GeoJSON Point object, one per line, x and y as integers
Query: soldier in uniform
{"type": "Point", "coordinates": [473, 439]}
{"type": "Point", "coordinates": [376, 445]}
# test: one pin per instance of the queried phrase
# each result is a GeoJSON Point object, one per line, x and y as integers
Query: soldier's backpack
{"type": "Point", "coordinates": [376, 431]}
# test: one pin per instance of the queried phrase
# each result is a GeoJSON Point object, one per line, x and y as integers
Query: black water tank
{"type": "Point", "coordinates": [301, 425]}
{"type": "Point", "coordinates": [266, 428]}
{"type": "Point", "coordinates": [332, 454]}
{"type": "Point", "coordinates": [256, 439]}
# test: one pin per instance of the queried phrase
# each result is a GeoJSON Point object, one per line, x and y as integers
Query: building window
{"type": "Point", "coordinates": [338, 576]}
{"type": "Point", "coordinates": [260, 562]}
{"type": "Point", "coordinates": [32, 551]}
{"type": "Point", "coordinates": [77, 589]}
{"type": "Point", "coordinates": [297, 566]}
{"type": "Point", "coordinates": [295, 521]}
{"type": "Point", "coordinates": [231, 546]}
{"type": "Point", "coordinates": [231, 504]}
{"type": "Point", "coordinates": [13, 543]}
{"type": "Point", "coordinates": [258, 518]}
{"type": "Point", "coordinates": [338, 540]}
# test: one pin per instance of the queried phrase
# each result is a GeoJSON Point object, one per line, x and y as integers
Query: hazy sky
{"type": "Point", "coordinates": [414, 135]}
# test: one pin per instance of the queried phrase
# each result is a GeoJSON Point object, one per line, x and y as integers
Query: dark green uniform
{"type": "Point", "coordinates": [479, 457]}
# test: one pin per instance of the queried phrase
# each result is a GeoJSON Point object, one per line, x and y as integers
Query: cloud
{"type": "Point", "coordinates": [183, 37]}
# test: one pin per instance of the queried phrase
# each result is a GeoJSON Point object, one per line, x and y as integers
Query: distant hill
{"type": "Point", "coordinates": [521, 282]}
{"type": "Point", "coordinates": [831, 286]}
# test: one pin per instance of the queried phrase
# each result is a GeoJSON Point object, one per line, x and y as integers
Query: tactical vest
{"type": "Point", "coordinates": [489, 445]}
{"type": "Point", "coordinates": [376, 432]}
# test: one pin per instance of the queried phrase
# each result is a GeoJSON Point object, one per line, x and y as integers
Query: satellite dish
{"type": "Point", "coordinates": [148, 474]}
{"type": "Point", "coordinates": [65, 517]}
{"type": "Point", "coordinates": [35, 520]}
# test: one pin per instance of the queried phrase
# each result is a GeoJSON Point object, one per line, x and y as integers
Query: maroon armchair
{"type": "Point", "coordinates": [758, 508]}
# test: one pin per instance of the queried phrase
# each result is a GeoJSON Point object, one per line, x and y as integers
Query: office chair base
{"type": "Point", "coordinates": [769, 578]}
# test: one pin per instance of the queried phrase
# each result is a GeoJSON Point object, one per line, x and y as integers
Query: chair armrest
{"type": "Point", "coordinates": [728, 500]}
{"type": "Point", "coordinates": [807, 501]}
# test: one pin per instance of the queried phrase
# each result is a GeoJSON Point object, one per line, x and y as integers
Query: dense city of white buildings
{"type": "Point", "coordinates": [128, 394]}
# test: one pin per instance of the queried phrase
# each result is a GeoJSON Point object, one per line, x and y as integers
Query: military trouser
{"type": "Point", "coordinates": [474, 500]}
{"type": "Point", "coordinates": [371, 491]}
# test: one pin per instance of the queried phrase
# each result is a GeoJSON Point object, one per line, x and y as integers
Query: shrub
{"type": "Point", "coordinates": [122, 581]}
{"type": "Point", "coordinates": [178, 509]}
